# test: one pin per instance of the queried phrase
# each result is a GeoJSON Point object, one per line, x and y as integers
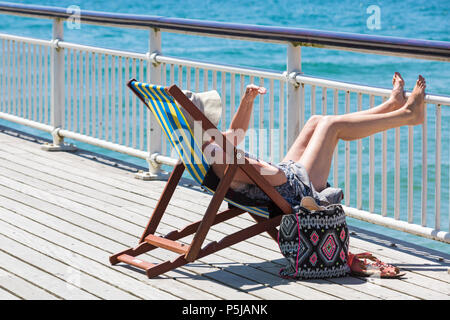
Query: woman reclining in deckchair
{"type": "Point", "coordinates": [305, 168]}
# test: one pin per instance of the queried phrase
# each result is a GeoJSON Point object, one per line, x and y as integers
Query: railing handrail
{"type": "Point", "coordinates": [386, 45]}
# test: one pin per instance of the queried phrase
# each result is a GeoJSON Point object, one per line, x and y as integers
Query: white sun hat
{"type": "Point", "coordinates": [209, 103]}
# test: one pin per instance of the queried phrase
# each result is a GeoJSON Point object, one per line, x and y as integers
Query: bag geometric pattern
{"type": "Point", "coordinates": [315, 243]}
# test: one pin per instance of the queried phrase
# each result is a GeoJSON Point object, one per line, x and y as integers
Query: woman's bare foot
{"type": "Point", "coordinates": [415, 104]}
{"type": "Point", "coordinates": [397, 98]}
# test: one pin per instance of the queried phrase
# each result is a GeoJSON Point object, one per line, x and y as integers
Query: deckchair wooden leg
{"type": "Point", "coordinates": [163, 201]}
{"type": "Point", "coordinates": [211, 212]}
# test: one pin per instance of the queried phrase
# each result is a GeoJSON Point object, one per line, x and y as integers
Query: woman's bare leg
{"type": "Point", "coordinates": [395, 101]}
{"type": "Point", "coordinates": [318, 154]}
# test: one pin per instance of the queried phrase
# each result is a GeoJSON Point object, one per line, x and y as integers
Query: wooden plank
{"type": "Point", "coordinates": [59, 288]}
{"type": "Point", "coordinates": [5, 295]}
{"type": "Point", "coordinates": [22, 288]}
{"type": "Point", "coordinates": [64, 271]}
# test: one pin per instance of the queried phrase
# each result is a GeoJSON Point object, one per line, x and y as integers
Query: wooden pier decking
{"type": "Point", "coordinates": [63, 214]}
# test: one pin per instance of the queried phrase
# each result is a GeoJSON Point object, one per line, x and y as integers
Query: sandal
{"type": "Point", "coordinates": [376, 268]}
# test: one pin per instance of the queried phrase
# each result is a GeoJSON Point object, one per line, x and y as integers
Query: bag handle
{"type": "Point", "coordinates": [311, 204]}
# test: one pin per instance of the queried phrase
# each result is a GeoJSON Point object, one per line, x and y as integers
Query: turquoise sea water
{"type": "Point", "coordinates": [413, 19]}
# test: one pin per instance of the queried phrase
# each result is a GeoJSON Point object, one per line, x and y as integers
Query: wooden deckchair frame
{"type": "Point", "coordinates": [193, 251]}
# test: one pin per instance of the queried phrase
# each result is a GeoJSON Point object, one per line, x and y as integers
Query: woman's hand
{"type": "Point", "coordinates": [253, 90]}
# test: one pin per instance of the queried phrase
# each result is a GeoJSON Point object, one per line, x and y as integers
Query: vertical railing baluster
{"type": "Point", "coordinates": [336, 150]}
{"type": "Point", "coordinates": [241, 95]}
{"type": "Point", "coordinates": [120, 101]}
{"type": "Point", "coordinates": [410, 174]}
{"type": "Point", "coordinates": [127, 103]}
{"type": "Point", "coordinates": [188, 78]}
{"type": "Point", "coordinates": [81, 94]}
{"type": "Point", "coordinates": [164, 74]}
{"type": "Point", "coordinates": [271, 135]}
{"type": "Point", "coordinates": [224, 96]}
{"type": "Point", "coordinates": [29, 102]}
{"type": "Point", "coordinates": [39, 82]}
{"type": "Point", "coordinates": [313, 100]}
{"type": "Point", "coordinates": [372, 164]}
{"type": "Point", "coordinates": [100, 91]}
{"type": "Point", "coordinates": [93, 94]}
{"type": "Point", "coordinates": [347, 155]}
{"type": "Point", "coordinates": [232, 94]}
{"type": "Point", "coordinates": [13, 77]}
{"type": "Point", "coordinates": [261, 127]}
{"type": "Point", "coordinates": [384, 173]}
{"type": "Point", "coordinates": [164, 144]}
{"type": "Point", "coordinates": [197, 79]}
{"type": "Point", "coordinates": [302, 107]}
{"type": "Point", "coordinates": [252, 126]}
{"type": "Point", "coordinates": [214, 79]}
{"type": "Point", "coordinates": [172, 74]}
{"type": "Point", "coordinates": [180, 76]}
{"type": "Point", "coordinates": [107, 83]}
{"type": "Point", "coordinates": [34, 83]}
{"type": "Point", "coordinates": [75, 91]}
{"type": "Point", "coordinates": [8, 77]}
{"type": "Point", "coordinates": [281, 119]}
{"type": "Point", "coordinates": [45, 83]}
{"type": "Point", "coordinates": [141, 109]}
{"type": "Point", "coordinates": [133, 106]}
{"type": "Point", "coordinates": [113, 107]}
{"type": "Point", "coordinates": [86, 94]}
{"type": "Point", "coordinates": [19, 80]}
{"type": "Point", "coordinates": [205, 79]}
{"type": "Point", "coordinates": [324, 101]}
{"type": "Point", "coordinates": [293, 93]}
{"type": "Point", "coordinates": [397, 175]}
{"type": "Point", "coordinates": [437, 189]}
{"type": "Point", "coordinates": [359, 163]}
{"type": "Point", "coordinates": [69, 91]}
{"type": "Point", "coordinates": [424, 170]}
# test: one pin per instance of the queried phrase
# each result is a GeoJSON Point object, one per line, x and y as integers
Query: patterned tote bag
{"type": "Point", "coordinates": [314, 240]}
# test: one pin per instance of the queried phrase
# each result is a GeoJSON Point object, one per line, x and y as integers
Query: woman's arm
{"type": "Point", "coordinates": [241, 119]}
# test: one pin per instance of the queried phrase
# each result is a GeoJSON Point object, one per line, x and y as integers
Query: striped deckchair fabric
{"type": "Point", "coordinates": [173, 122]}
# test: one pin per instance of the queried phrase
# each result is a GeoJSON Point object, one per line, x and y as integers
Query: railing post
{"type": "Point", "coordinates": [294, 67]}
{"type": "Point", "coordinates": [57, 82]}
{"type": "Point", "coordinates": [154, 130]}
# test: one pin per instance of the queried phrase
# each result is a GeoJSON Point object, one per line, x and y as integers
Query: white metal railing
{"type": "Point", "coordinates": [78, 92]}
